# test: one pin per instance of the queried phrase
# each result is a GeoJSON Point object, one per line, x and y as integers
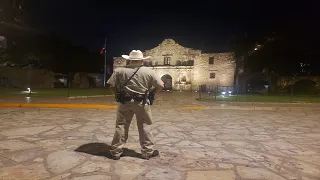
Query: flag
{"type": "Point", "coordinates": [102, 50]}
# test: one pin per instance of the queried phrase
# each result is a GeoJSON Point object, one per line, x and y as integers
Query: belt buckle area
{"type": "Point", "coordinates": [127, 97]}
{"type": "Point", "coordinates": [138, 97]}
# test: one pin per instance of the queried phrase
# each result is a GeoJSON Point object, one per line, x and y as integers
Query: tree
{"type": "Point", "coordinates": [271, 77]}
{"type": "Point", "coordinates": [243, 47]}
{"type": "Point", "coordinates": [31, 58]}
{"type": "Point", "coordinates": [4, 59]}
{"type": "Point", "coordinates": [291, 45]}
{"type": "Point", "coordinates": [53, 52]}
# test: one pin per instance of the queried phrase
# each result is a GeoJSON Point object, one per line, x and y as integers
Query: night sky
{"type": "Point", "coordinates": [206, 25]}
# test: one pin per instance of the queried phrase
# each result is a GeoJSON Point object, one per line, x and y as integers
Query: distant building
{"type": "Point", "coordinates": [183, 68]}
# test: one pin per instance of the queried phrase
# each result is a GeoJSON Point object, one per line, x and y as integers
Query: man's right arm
{"type": "Point", "coordinates": [157, 83]}
{"type": "Point", "coordinates": [159, 88]}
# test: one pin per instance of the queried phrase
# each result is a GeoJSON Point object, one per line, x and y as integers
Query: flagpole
{"type": "Point", "coordinates": [105, 63]}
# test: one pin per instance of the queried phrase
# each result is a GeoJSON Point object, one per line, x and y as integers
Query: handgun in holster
{"type": "Point", "coordinates": [148, 97]}
{"type": "Point", "coordinates": [151, 96]}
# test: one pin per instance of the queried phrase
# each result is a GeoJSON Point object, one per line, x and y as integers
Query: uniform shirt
{"type": "Point", "coordinates": [144, 79]}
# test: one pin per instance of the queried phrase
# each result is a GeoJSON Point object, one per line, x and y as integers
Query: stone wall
{"type": "Point", "coordinates": [24, 77]}
{"type": "Point", "coordinates": [118, 62]}
{"type": "Point", "coordinates": [181, 76]}
{"type": "Point", "coordinates": [188, 68]}
{"type": "Point", "coordinates": [223, 67]}
{"type": "Point", "coordinates": [80, 80]}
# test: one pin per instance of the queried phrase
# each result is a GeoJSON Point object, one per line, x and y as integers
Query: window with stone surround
{"type": "Point", "coordinates": [166, 61]}
{"type": "Point", "coordinates": [212, 75]}
{"type": "Point", "coordinates": [211, 60]}
{"type": "Point", "coordinates": [190, 62]}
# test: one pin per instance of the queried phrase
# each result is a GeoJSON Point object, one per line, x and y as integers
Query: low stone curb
{"type": "Point", "coordinates": [259, 102]}
{"type": "Point", "coordinates": [85, 106]}
{"type": "Point", "coordinates": [248, 108]}
{"type": "Point", "coordinates": [101, 106]}
{"type": "Point", "coordinates": [78, 97]}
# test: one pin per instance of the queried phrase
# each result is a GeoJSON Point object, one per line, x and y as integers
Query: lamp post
{"type": "Point", "coordinates": [105, 63]}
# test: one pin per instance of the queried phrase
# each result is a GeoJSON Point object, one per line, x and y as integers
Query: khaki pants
{"type": "Point", "coordinates": [124, 117]}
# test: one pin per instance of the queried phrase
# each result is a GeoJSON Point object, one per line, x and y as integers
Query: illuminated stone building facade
{"type": "Point", "coordinates": [183, 68]}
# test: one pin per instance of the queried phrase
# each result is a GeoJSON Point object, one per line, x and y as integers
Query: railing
{"type": "Point", "coordinates": [211, 92]}
{"type": "Point", "coordinates": [231, 94]}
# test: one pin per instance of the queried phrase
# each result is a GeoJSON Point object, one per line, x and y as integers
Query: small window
{"type": "Point", "coordinates": [212, 75]}
{"type": "Point", "coordinates": [211, 60]}
{"type": "Point", "coordinates": [167, 61]}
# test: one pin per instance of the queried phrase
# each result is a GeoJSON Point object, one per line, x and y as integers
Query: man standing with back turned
{"type": "Point", "coordinates": [132, 87]}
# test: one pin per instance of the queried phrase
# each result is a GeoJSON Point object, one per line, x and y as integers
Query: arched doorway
{"type": "Point", "coordinates": [167, 80]}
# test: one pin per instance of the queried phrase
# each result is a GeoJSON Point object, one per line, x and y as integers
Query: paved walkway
{"type": "Point", "coordinates": [59, 144]}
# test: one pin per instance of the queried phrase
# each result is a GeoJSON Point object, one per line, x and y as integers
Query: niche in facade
{"type": "Point", "coordinates": [183, 79]}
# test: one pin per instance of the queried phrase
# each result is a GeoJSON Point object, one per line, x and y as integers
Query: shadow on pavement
{"type": "Point", "coordinates": [102, 149]}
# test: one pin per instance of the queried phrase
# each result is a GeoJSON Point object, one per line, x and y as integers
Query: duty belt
{"type": "Point", "coordinates": [136, 97]}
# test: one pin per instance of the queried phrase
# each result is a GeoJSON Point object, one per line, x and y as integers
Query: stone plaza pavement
{"type": "Point", "coordinates": [207, 144]}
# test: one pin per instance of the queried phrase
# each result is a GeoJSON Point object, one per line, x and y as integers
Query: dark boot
{"type": "Point", "coordinates": [155, 153]}
{"type": "Point", "coordinates": [115, 157]}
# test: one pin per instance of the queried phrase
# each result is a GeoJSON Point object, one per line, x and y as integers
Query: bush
{"type": "Point", "coordinates": [305, 87]}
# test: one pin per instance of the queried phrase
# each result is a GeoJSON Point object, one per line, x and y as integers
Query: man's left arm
{"type": "Point", "coordinates": [113, 82]}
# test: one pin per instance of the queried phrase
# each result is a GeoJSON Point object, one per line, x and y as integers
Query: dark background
{"type": "Point", "coordinates": [211, 26]}
{"type": "Point", "coordinates": [206, 25]}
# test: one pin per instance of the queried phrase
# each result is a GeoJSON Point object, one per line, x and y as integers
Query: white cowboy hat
{"type": "Point", "coordinates": [135, 55]}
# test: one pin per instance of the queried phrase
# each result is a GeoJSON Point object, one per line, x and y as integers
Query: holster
{"type": "Point", "coordinates": [119, 97]}
{"type": "Point", "coordinates": [151, 96]}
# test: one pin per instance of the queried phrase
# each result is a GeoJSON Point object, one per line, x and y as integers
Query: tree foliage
{"type": "Point", "coordinates": [46, 50]}
{"type": "Point", "coordinates": [291, 46]}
